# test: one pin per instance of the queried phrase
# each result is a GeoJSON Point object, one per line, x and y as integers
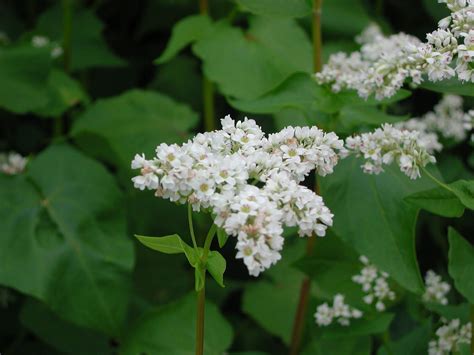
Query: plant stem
{"type": "Point", "coordinates": [317, 37]}
{"type": "Point", "coordinates": [67, 30]}
{"type": "Point", "coordinates": [299, 321]}
{"type": "Point", "coordinates": [472, 328]}
{"type": "Point", "coordinates": [191, 226]}
{"type": "Point", "coordinates": [207, 86]}
{"type": "Point", "coordinates": [201, 295]}
{"type": "Point", "coordinates": [440, 183]}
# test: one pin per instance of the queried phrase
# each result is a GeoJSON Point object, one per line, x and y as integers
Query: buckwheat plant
{"type": "Point", "coordinates": [436, 289]}
{"type": "Point", "coordinates": [384, 63]}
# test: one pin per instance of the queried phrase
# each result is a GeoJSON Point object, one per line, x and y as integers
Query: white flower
{"type": "Point", "coordinates": [216, 172]}
{"type": "Point", "coordinates": [340, 312]}
{"type": "Point", "coordinates": [40, 41]}
{"type": "Point", "coordinates": [436, 289]}
{"type": "Point", "coordinates": [12, 163]}
{"type": "Point", "coordinates": [374, 284]}
{"type": "Point", "coordinates": [449, 336]}
{"type": "Point", "coordinates": [387, 144]}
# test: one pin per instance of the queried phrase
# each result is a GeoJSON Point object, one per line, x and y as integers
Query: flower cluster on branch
{"type": "Point", "coordinates": [449, 336]}
{"type": "Point", "coordinates": [12, 163]}
{"type": "Point", "coordinates": [340, 312]}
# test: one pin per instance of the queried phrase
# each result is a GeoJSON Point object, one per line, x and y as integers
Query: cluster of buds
{"type": "Point", "coordinates": [339, 312]}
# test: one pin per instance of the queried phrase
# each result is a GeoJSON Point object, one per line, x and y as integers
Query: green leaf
{"type": "Point", "coordinates": [64, 227]}
{"type": "Point", "coordinates": [461, 264]}
{"type": "Point", "coordinates": [170, 244]}
{"type": "Point", "coordinates": [63, 93]}
{"type": "Point", "coordinates": [379, 224]}
{"type": "Point", "coordinates": [436, 10]}
{"type": "Point", "coordinates": [185, 32]}
{"type": "Point", "coordinates": [64, 336]}
{"type": "Point", "coordinates": [263, 62]}
{"type": "Point", "coordinates": [170, 330]}
{"type": "Point", "coordinates": [352, 117]}
{"type": "Point", "coordinates": [464, 190]}
{"type": "Point", "coordinates": [343, 346]}
{"type": "Point", "coordinates": [451, 311]}
{"type": "Point", "coordinates": [216, 265]}
{"type": "Point", "coordinates": [438, 201]}
{"type": "Point", "coordinates": [277, 8]}
{"type": "Point", "coordinates": [24, 75]}
{"type": "Point", "coordinates": [221, 237]}
{"type": "Point", "coordinates": [450, 86]}
{"type": "Point", "coordinates": [413, 343]}
{"type": "Point", "coordinates": [375, 324]}
{"type": "Point", "coordinates": [117, 128]}
{"type": "Point", "coordinates": [351, 13]}
{"type": "Point", "coordinates": [88, 48]}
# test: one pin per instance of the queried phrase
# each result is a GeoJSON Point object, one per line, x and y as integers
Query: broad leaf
{"type": "Point", "coordinates": [377, 323]}
{"type": "Point", "coordinates": [64, 336]}
{"type": "Point", "coordinates": [170, 330]}
{"type": "Point", "coordinates": [277, 8]}
{"type": "Point", "coordinates": [170, 244]}
{"type": "Point", "coordinates": [371, 215]}
{"type": "Point", "coordinates": [343, 346]}
{"type": "Point", "coordinates": [352, 117]}
{"type": "Point", "coordinates": [63, 93]}
{"type": "Point", "coordinates": [351, 13]}
{"type": "Point", "coordinates": [221, 237]}
{"type": "Point", "coordinates": [216, 266]}
{"type": "Point", "coordinates": [88, 48]}
{"type": "Point", "coordinates": [117, 128]}
{"type": "Point", "coordinates": [464, 190]}
{"type": "Point", "coordinates": [451, 86]}
{"type": "Point", "coordinates": [262, 64]}
{"type": "Point", "coordinates": [63, 226]}
{"type": "Point", "coordinates": [24, 73]}
{"type": "Point", "coordinates": [185, 32]}
{"type": "Point", "coordinates": [413, 343]}
{"type": "Point", "coordinates": [438, 201]}
{"type": "Point", "coordinates": [461, 264]}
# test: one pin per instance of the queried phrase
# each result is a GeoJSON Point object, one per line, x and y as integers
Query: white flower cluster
{"type": "Point", "coordinates": [383, 63]}
{"type": "Point", "coordinates": [448, 119]}
{"type": "Point", "coordinates": [12, 163]}
{"type": "Point", "coordinates": [450, 336]}
{"type": "Point", "coordinates": [436, 289]}
{"type": "Point", "coordinates": [375, 284]}
{"type": "Point", "coordinates": [248, 182]}
{"type": "Point", "coordinates": [43, 41]}
{"type": "Point", "coordinates": [388, 144]}
{"type": "Point", "coordinates": [340, 312]}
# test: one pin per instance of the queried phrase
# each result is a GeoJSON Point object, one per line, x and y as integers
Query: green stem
{"type": "Point", "coordinates": [208, 104]}
{"type": "Point", "coordinates": [299, 320]}
{"type": "Point", "coordinates": [67, 30]}
{"type": "Point", "coordinates": [440, 183]}
{"type": "Point", "coordinates": [191, 226]}
{"type": "Point", "coordinates": [201, 295]}
{"type": "Point", "coordinates": [472, 328]}
{"type": "Point", "coordinates": [386, 342]}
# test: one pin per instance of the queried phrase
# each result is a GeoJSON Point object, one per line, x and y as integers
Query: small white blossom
{"type": "Point", "coordinates": [12, 163]}
{"type": "Point", "coordinates": [217, 172]}
{"type": "Point", "coordinates": [40, 41]}
{"type": "Point", "coordinates": [449, 336]}
{"type": "Point", "coordinates": [375, 284]}
{"type": "Point", "coordinates": [436, 288]}
{"type": "Point", "coordinates": [388, 144]}
{"type": "Point", "coordinates": [340, 312]}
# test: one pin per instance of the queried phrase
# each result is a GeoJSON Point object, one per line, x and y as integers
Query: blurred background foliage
{"type": "Point", "coordinates": [75, 282]}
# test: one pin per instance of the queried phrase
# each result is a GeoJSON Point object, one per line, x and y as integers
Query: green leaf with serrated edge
{"type": "Point", "coordinates": [263, 62]}
{"type": "Point", "coordinates": [24, 73]}
{"type": "Point", "coordinates": [170, 330]}
{"type": "Point", "coordinates": [216, 266]}
{"type": "Point", "coordinates": [379, 224]}
{"type": "Point", "coordinates": [185, 32]}
{"type": "Point", "coordinates": [170, 244]}
{"type": "Point", "coordinates": [63, 93]}
{"type": "Point", "coordinates": [451, 86]}
{"type": "Point", "coordinates": [276, 8]}
{"type": "Point", "coordinates": [438, 201]}
{"type": "Point", "coordinates": [461, 264]}
{"type": "Point", "coordinates": [64, 227]}
{"type": "Point", "coordinates": [221, 237]}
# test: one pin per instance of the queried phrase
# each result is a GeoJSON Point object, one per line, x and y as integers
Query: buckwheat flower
{"type": "Point", "coordinates": [12, 163]}
{"type": "Point", "coordinates": [436, 289]}
{"type": "Point", "coordinates": [375, 284]}
{"type": "Point", "coordinates": [57, 51]}
{"type": "Point", "coordinates": [449, 336]}
{"type": "Point", "coordinates": [388, 144]}
{"type": "Point", "coordinates": [340, 312]}
{"type": "Point", "coordinates": [40, 41]}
